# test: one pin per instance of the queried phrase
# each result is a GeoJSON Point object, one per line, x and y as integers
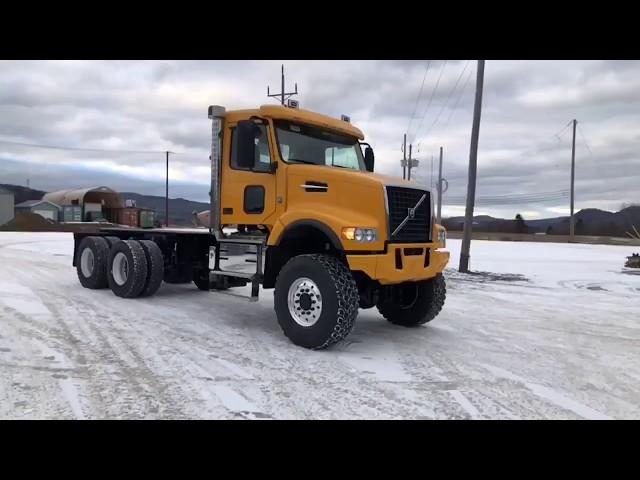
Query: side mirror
{"type": "Point", "coordinates": [245, 143]}
{"type": "Point", "coordinates": [369, 159]}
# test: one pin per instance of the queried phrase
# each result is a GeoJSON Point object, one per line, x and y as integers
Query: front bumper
{"type": "Point", "coordinates": [401, 263]}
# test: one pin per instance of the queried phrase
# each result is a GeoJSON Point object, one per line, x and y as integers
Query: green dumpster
{"type": "Point", "coordinates": [146, 218]}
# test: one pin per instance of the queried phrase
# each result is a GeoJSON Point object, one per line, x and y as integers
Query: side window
{"type": "Point", "coordinates": [342, 157]}
{"type": "Point", "coordinates": [263, 155]}
{"type": "Point", "coordinates": [284, 150]}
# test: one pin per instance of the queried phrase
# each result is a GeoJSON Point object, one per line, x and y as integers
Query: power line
{"type": "Point", "coordinates": [585, 141]}
{"type": "Point", "coordinates": [508, 201]}
{"type": "Point", "coordinates": [459, 200]}
{"type": "Point", "coordinates": [482, 203]}
{"type": "Point", "coordinates": [559, 133]}
{"type": "Point", "coordinates": [516, 197]}
{"type": "Point", "coordinates": [522, 156]}
{"type": "Point", "coordinates": [513, 198]}
{"type": "Point", "coordinates": [430, 99]}
{"type": "Point", "coordinates": [523, 195]}
{"type": "Point", "coordinates": [466, 82]}
{"type": "Point", "coordinates": [79, 149]}
{"type": "Point", "coordinates": [479, 201]}
{"type": "Point", "coordinates": [415, 108]}
{"type": "Point", "coordinates": [447, 100]}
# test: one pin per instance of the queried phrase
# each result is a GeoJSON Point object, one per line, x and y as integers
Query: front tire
{"type": "Point", "coordinates": [316, 300]}
{"type": "Point", "coordinates": [415, 303]}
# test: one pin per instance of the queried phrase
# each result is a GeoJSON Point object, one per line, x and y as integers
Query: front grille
{"type": "Point", "coordinates": [416, 229]}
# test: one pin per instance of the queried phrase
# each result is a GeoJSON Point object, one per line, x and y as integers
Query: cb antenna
{"type": "Point", "coordinates": [283, 95]}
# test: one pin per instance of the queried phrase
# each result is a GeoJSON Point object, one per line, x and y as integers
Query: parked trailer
{"type": "Point", "coordinates": [314, 223]}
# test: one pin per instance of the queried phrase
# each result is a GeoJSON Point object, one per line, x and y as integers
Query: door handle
{"type": "Point", "coordinates": [316, 187]}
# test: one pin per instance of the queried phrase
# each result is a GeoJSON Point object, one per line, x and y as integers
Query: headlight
{"type": "Point", "coordinates": [360, 234]}
{"type": "Point", "coordinates": [369, 235]}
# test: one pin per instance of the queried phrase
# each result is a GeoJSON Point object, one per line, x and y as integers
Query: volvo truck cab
{"type": "Point", "coordinates": [325, 231]}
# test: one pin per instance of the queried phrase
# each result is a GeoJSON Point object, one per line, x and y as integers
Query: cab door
{"type": "Point", "coordinates": [248, 193]}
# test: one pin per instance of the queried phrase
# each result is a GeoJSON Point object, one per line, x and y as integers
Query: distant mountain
{"type": "Point", "coordinates": [589, 221]}
{"type": "Point", "coordinates": [630, 215]}
{"type": "Point", "coordinates": [544, 223]}
{"type": "Point", "coordinates": [477, 220]}
{"type": "Point", "coordinates": [180, 209]}
{"type": "Point", "coordinates": [22, 194]}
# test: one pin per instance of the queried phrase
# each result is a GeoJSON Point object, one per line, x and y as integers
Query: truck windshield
{"type": "Point", "coordinates": [311, 145]}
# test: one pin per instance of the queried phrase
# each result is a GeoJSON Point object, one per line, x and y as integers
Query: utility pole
{"type": "Point", "coordinates": [282, 93]}
{"type": "Point", "coordinates": [431, 177]}
{"type": "Point", "coordinates": [166, 199]}
{"type": "Point", "coordinates": [572, 220]}
{"type": "Point", "coordinates": [439, 215]}
{"type": "Point", "coordinates": [409, 164]}
{"type": "Point", "coordinates": [404, 157]}
{"type": "Point", "coordinates": [473, 167]}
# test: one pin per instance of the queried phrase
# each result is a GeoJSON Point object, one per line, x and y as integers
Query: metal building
{"type": "Point", "coordinates": [43, 208]}
{"type": "Point", "coordinates": [6, 206]}
{"type": "Point", "coordinates": [96, 202]}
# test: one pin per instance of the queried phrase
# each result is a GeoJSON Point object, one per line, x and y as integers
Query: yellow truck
{"type": "Point", "coordinates": [295, 206]}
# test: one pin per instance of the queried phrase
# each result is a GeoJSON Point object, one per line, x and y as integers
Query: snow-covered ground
{"type": "Point", "coordinates": [562, 343]}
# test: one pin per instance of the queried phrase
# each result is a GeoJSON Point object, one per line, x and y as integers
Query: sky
{"type": "Point", "coordinates": [524, 153]}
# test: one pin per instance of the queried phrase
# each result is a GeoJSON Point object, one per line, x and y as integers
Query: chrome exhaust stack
{"type": "Point", "coordinates": [216, 115]}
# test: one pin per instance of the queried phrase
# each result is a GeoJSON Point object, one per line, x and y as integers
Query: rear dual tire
{"type": "Point", "coordinates": [127, 272]}
{"type": "Point", "coordinates": [111, 240]}
{"type": "Point", "coordinates": [136, 268]}
{"type": "Point", "coordinates": [155, 267]}
{"type": "Point", "coordinates": [91, 262]}
{"type": "Point", "coordinates": [131, 268]}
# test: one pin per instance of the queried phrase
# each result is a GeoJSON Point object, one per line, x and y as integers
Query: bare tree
{"type": "Point", "coordinates": [521, 226]}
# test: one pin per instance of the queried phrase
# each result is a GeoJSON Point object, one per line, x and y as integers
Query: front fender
{"type": "Point", "coordinates": [334, 222]}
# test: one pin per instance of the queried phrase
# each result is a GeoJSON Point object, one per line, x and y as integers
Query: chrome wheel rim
{"type": "Point", "coordinates": [87, 262]}
{"type": "Point", "coordinates": [120, 268]}
{"type": "Point", "coordinates": [305, 302]}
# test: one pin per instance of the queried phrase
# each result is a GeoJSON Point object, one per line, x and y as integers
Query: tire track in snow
{"type": "Point", "coordinates": [198, 360]}
{"type": "Point", "coordinates": [549, 394]}
{"type": "Point", "coordinates": [70, 392]}
{"type": "Point", "coordinates": [153, 389]}
{"type": "Point", "coordinates": [111, 358]}
{"type": "Point", "coordinates": [233, 401]}
{"type": "Point", "coordinates": [464, 402]}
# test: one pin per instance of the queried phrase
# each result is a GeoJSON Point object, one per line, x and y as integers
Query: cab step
{"type": "Point", "coordinates": [255, 278]}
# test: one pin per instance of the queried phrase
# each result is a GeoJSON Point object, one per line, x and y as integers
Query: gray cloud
{"type": "Point", "coordinates": [160, 105]}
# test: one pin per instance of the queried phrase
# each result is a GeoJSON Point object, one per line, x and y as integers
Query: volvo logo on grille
{"type": "Point", "coordinates": [410, 215]}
